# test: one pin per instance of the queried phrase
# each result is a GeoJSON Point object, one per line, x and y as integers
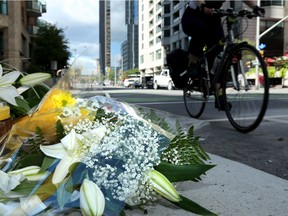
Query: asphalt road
{"type": "Point", "coordinates": [265, 148]}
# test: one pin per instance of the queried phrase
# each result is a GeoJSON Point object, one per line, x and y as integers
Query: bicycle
{"type": "Point", "coordinates": [245, 103]}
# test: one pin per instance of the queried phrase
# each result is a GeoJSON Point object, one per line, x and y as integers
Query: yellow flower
{"type": "Point", "coordinates": [56, 99]}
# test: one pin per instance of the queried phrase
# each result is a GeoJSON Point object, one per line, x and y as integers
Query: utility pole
{"type": "Point", "coordinates": [258, 36]}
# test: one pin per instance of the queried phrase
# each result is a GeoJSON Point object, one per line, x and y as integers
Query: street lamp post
{"type": "Point", "coordinates": [258, 36]}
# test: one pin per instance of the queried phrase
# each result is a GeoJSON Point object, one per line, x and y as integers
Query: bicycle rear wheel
{"type": "Point", "coordinates": [194, 98]}
{"type": "Point", "coordinates": [244, 88]}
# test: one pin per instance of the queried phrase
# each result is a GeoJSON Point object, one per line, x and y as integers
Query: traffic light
{"type": "Point", "coordinates": [262, 53]}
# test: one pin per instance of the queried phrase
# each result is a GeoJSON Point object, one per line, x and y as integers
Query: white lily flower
{"type": "Point", "coordinates": [9, 182]}
{"type": "Point", "coordinates": [97, 133]}
{"type": "Point", "coordinates": [30, 172]}
{"type": "Point", "coordinates": [34, 79]}
{"type": "Point", "coordinates": [163, 186]}
{"type": "Point", "coordinates": [27, 206]}
{"type": "Point", "coordinates": [7, 91]}
{"type": "Point", "coordinates": [92, 200]}
{"type": "Point", "coordinates": [68, 151]}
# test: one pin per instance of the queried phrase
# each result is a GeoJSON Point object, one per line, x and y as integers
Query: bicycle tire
{"type": "Point", "coordinates": [194, 98]}
{"type": "Point", "coordinates": [249, 102]}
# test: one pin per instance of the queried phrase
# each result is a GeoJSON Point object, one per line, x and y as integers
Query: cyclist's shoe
{"type": "Point", "coordinates": [192, 72]}
{"type": "Point", "coordinates": [219, 104]}
{"type": "Point", "coordinates": [194, 85]}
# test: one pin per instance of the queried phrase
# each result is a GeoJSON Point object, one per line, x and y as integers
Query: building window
{"type": "Point", "coordinates": [3, 7]}
{"type": "Point", "coordinates": [141, 59]}
{"type": "Point", "coordinates": [1, 45]}
{"type": "Point", "coordinates": [167, 21]}
{"type": "Point", "coordinates": [167, 33]}
{"type": "Point", "coordinates": [272, 2]}
{"type": "Point", "coordinates": [274, 39]}
{"type": "Point", "coordinates": [158, 39]}
{"type": "Point", "coordinates": [167, 9]}
{"type": "Point", "coordinates": [158, 54]}
{"type": "Point", "coordinates": [152, 56]}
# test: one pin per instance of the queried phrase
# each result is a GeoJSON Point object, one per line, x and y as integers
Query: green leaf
{"type": "Point", "coordinates": [177, 173]}
{"type": "Point", "coordinates": [29, 160]}
{"type": "Point", "coordinates": [25, 187]}
{"type": "Point", "coordinates": [64, 192]}
{"type": "Point", "coordinates": [193, 207]}
{"type": "Point", "coordinates": [47, 162]}
{"type": "Point", "coordinates": [59, 130]}
{"type": "Point", "coordinates": [22, 104]}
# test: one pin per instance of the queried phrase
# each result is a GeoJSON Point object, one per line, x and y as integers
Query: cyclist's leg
{"type": "Point", "coordinates": [215, 34]}
{"type": "Point", "coordinates": [195, 26]}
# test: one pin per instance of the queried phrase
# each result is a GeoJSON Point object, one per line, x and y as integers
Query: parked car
{"type": "Point", "coordinates": [147, 81]}
{"type": "Point", "coordinates": [163, 80]}
{"type": "Point", "coordinates": [138, 84]}
{"type": "Point", "coordinates": [128, 83]}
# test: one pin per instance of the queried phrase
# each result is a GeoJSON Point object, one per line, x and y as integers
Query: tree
{"type": "Point", "coordinates": [130, 72]}
{"type": "Point", "coordinates": [50, 45]}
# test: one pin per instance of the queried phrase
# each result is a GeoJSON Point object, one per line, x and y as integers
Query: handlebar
{"type": "Point", "coordinates": [233, 14]}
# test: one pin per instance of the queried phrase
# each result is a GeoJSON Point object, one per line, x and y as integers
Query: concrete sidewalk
{"type": "Point", "coordinates": [230, 189]}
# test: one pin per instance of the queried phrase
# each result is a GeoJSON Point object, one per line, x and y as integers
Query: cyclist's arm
{"type": "Point", "coordinates": [256, 8]}
{"type": "Point", "coordinates": [250, 3]}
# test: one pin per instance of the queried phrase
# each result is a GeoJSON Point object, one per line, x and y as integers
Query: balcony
{"type": "Point", "coordinates": [274, 12]}
{"type": "Point", "coordinates": [34, 8]}
{"type": "Point", "coordinates": [32, 30]}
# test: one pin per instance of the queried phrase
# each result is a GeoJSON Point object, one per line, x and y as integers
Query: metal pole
{"type": "Point", "coordinates": [257, 47]}
{"type": "Point", "coordinates": [273, 26]}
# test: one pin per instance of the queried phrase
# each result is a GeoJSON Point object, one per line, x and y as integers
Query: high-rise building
{"type": "Point", "coordinates": [276, 39]}
{"type": "Point", "coordinates": [173, 36]}
{"type": "Point", "coordinates": [151, 51]}
{"type": "Point", "coordinates": [18, 27]}
{"type": "Point", "coordinates": [161, 21]}
{"type": "Point", "coordinates": [105, 35]}
{"type": "Point", "coordinates": [129, 48]}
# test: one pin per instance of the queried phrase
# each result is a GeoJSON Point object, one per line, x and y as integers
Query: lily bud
{"type": "Point", "coordinates": [34, 79]}
{"type": "Point", "coordinates": [92, 200]}
{"type": "Point", "coordinates": [30, 172]}
{"type": "Point", "coordinates": [163, 186]}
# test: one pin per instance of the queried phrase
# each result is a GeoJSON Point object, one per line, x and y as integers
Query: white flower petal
{"type": "Point", "coordinates": [22, 89]}
{"type": "Point", "coordinates": [97, 132]}
{"type": "Point", "coordinates": [9, 78]}
{"type": "Point", "coordinates": [62, 169]}
{"type": "Point", "coordinates": [34, 78]}
{"type": "Point", "coordinates": [56, 150]}
{"type": "Point", "coordinates": [32, 205]}
{"type": "Point", "coordinates": [1, 71]}
{"type": "Point", "coordinates": [8, 94]}
{"type": "Point", "coordinates": [92, 200]}
{"type": "Point", "coordinates": [70, 141]}
{"type": "Point", "coordinates": [8, 182]}
{"type": "Point", "coordinates": [26, 170]}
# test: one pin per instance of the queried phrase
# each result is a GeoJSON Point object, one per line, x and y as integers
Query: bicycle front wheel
{"type": "Point", "coordinates": [245, 88]}
{"type": "Point", "coordinates": [194, 98]}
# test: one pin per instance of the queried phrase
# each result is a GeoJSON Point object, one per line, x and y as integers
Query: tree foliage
{"type": "Point", "coordinates": [130, 72]}
{"type": "Point", "coordinates": [50, 45]}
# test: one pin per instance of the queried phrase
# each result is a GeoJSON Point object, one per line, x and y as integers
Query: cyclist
{"type": "Point", "coordinates": [206, 30]}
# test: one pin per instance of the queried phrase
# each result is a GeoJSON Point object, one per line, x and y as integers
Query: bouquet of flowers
{"type": "Point", "coordinates": [96, 156]}
{"type": "Point", "coordinates": [19, 93]}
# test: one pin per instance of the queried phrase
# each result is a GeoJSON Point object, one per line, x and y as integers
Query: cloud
{"type": "Point", "coordinates": [80, 21]}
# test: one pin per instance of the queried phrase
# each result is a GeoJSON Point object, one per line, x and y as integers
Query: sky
{"type": "Point", "coordinates": [80, 21]}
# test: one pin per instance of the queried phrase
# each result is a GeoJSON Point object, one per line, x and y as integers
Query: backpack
{"type": "Point", "coordinates": [177, 61]}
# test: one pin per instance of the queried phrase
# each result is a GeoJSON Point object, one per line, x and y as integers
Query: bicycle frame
{"type": "Point", "coordinates": [229, 46]}
{"type": "Point", "coordinates": [229, 82]}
